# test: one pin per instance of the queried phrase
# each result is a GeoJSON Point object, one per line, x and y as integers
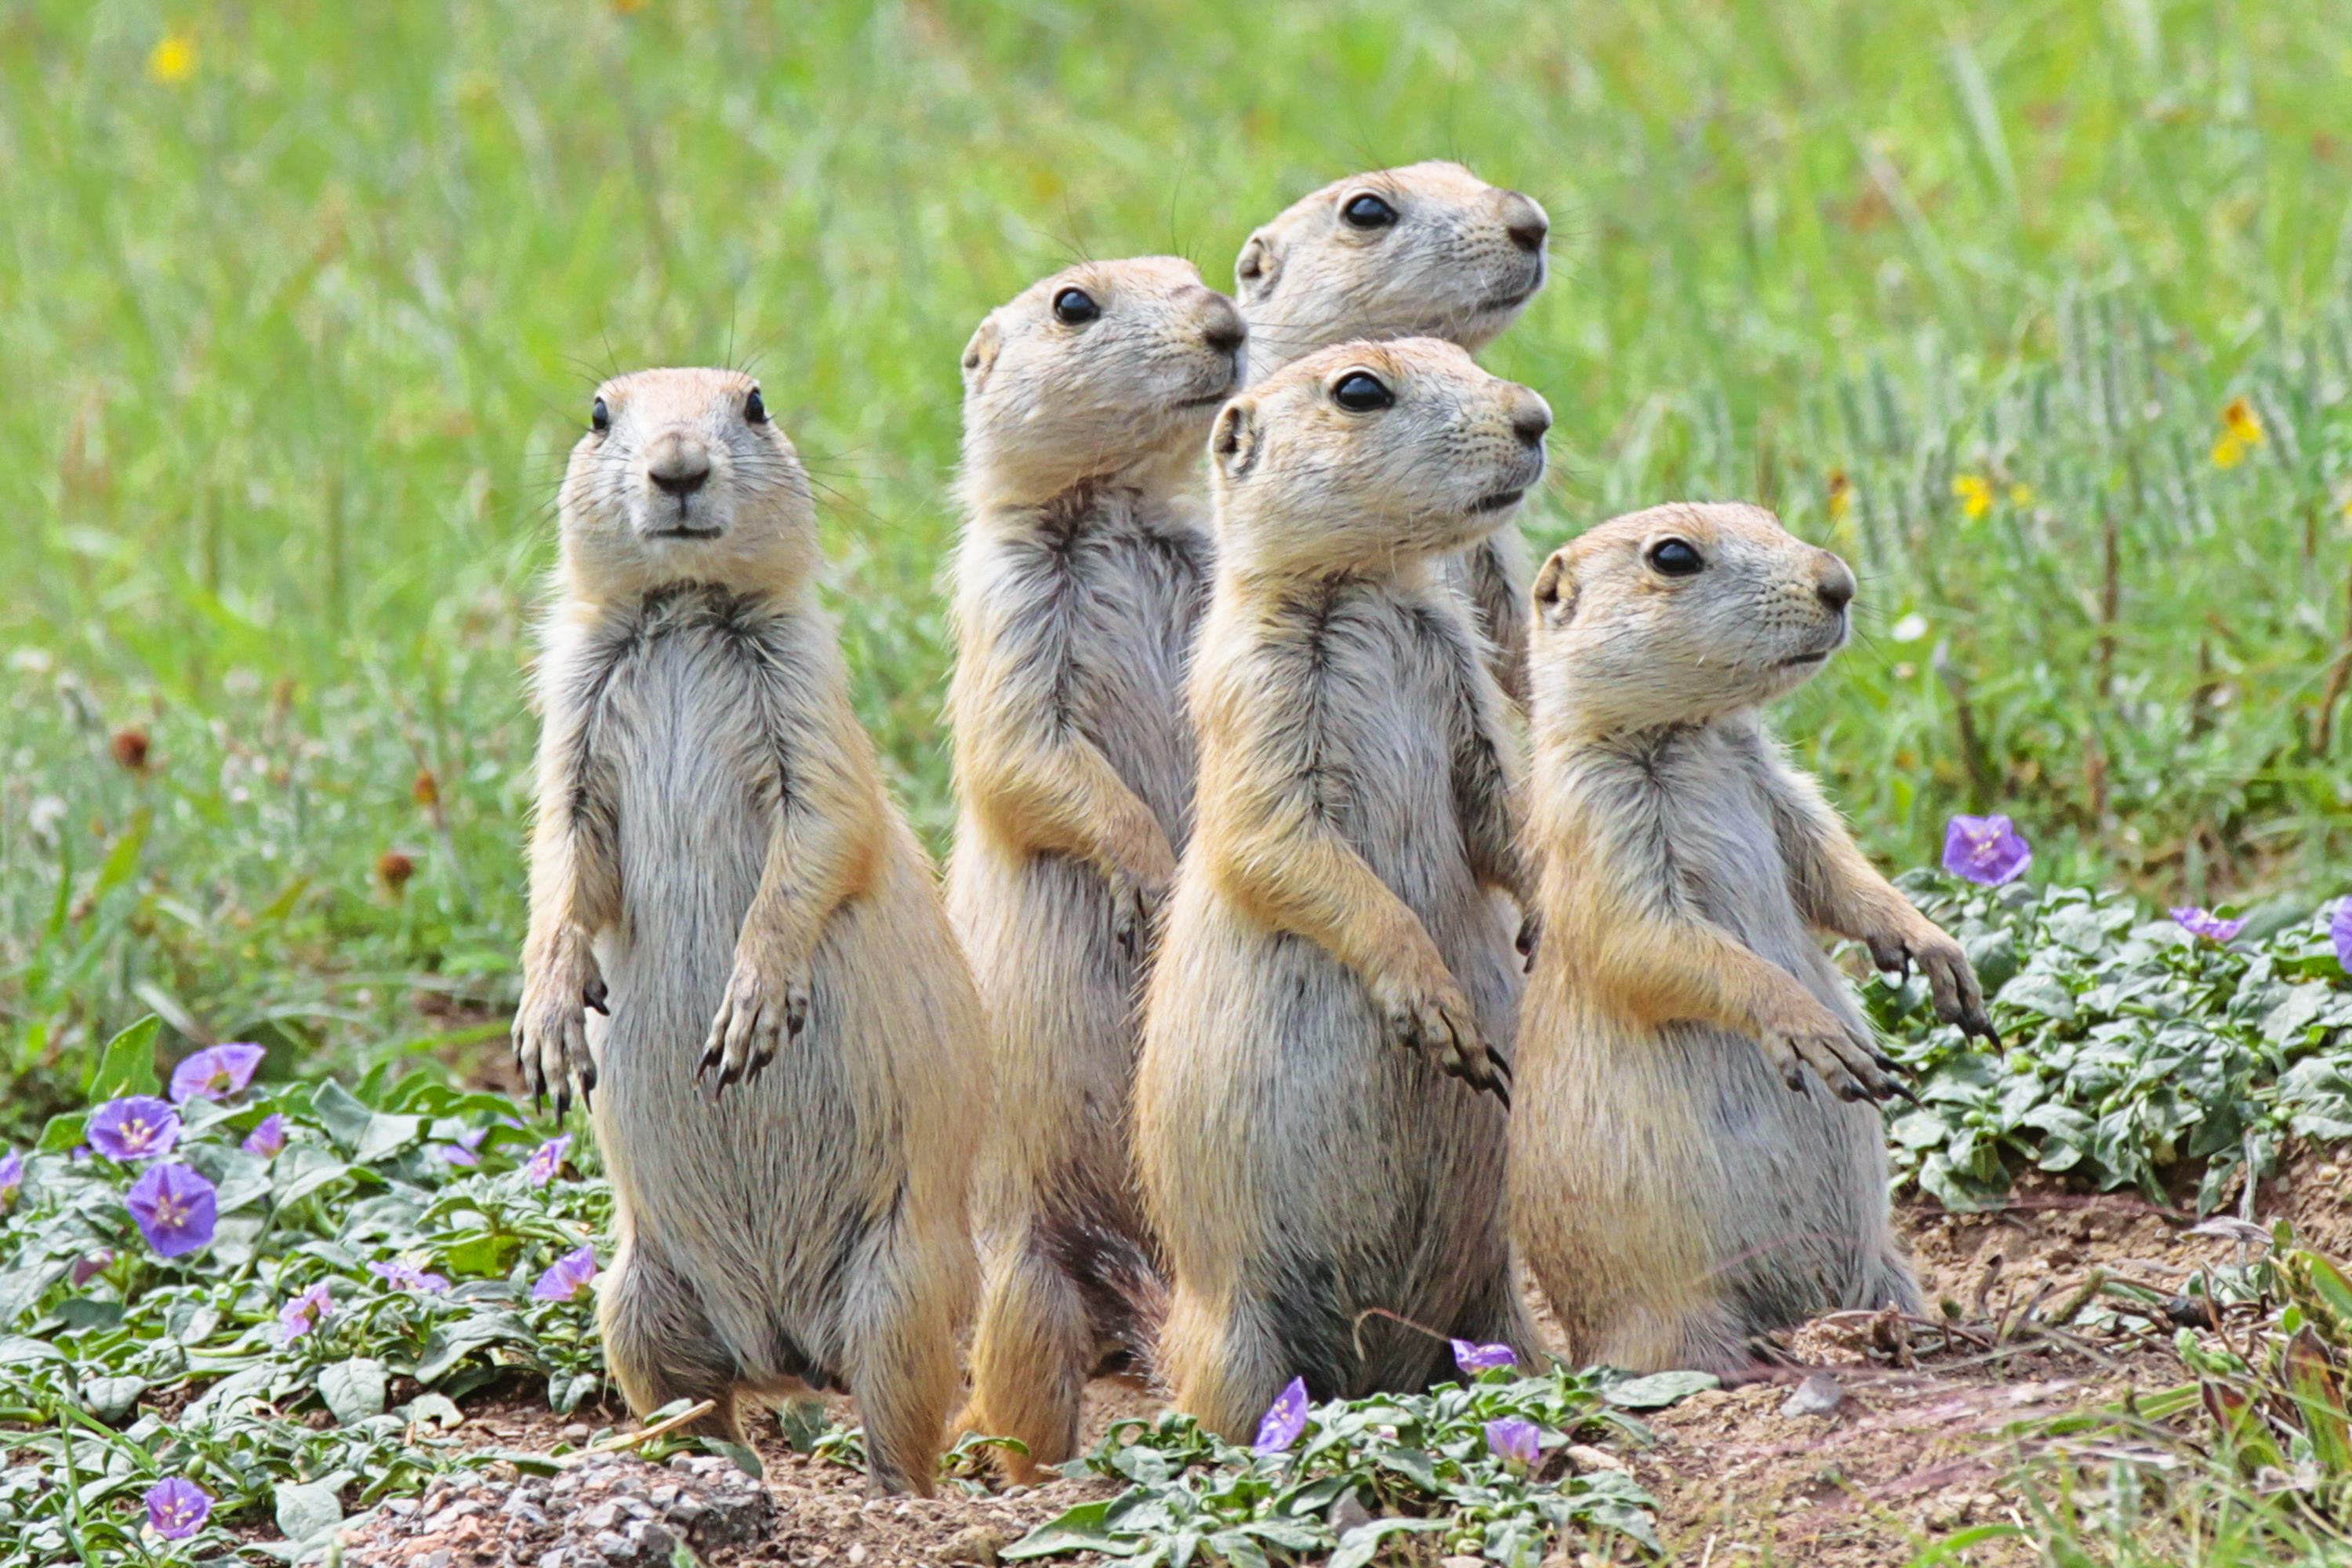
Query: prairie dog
{"type": "Point", "coordinates": [715, 862]}
{"type": "Point", "coordinates": [1333, 949]}
{"type": "Point", "coordinates": [1426, 250]}
{"type": "Point", "coordinates": [1082, 568]}
{"type": "Point", "coordinates": [1695, 1159]}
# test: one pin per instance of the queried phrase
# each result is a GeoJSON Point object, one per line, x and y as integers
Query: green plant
{"type": "Point", "coordinates": [2134, 1051]}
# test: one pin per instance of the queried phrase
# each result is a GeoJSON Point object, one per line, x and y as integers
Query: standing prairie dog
{"type": "Point", "coordinates": [715, 862]}
{"type": "Point", "coordinates": [1695, 1156]}
{"type": "Point", "coordinates": [1082, 571]}
{"type": "Point", "coordinates": [1426, 250]}
{"type": "Point", "coordinates": [1332, 950]}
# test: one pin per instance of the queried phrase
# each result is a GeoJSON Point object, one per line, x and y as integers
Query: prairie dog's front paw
{"type": "Point", "coordinates": [767, 1002]}
{"type": "Point", "coordinates": [1801, 1033]}
{"type": "Point", "coordinates": [1135, 900]}
{"type": "Point", "coordinates": [550, 1024]}
{"type": "Point", "coordinates": [1432, 1017]}
{"type": "Point", "coordinates": [1951, 980]}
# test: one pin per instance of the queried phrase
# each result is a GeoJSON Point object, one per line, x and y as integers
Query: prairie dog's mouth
{"type": "Point", "coordinates": [1496, 501]}
{"type": "Point", "coordinates": [1512, 298]}
{"type": "Point", "coordinates": [683, 531]}
{"type": "Point", "coordinates": [1234, 365]}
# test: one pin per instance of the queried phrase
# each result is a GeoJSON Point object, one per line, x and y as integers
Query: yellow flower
{"type": "Point", "coordinates": [2242, 432]}
{"type": "Point", "coordinates": [2021, 496]}
{"type": "Point", "coordinates": [1841, 495]}
{"type": "Point", "coordinates": [1975, 493]}
{"type": "Point", "coordinates": [172, 59]}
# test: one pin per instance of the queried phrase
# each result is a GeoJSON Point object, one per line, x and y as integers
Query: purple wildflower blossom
{"type": "Point", "coordinates": [267, 1140]}
{"type": "Point", "coordinates": [216, 1072]}
{"type": "Point", "coordinates": [567, 1278]}
{"type": "Point", "coordinates": [90, 1265]}
{"type": "Point", "coordinates": [1286, 1418]}
{"type": "Point", "coordinates": [547, 1160]}
{"type": "Point", "coordinates": [403, 1276]}
{"type": "Point", "coordinates": [137, 1127]}
{"type": "Point", "coordinates": [304, 1313]}
{"type": "Point", "coordinates": [1515, 1441]}
{"type": "Point", "coordinates": [177, 1508]}
{"type": "Point", "coordinates": [2205, 923]}
{"type": "Point", "coordinates": [1986, 849]}
{"type": "Point", "coordinates": [12, 1178]}
{"type": "Point", "coordinates": [465, 1151]}
{"type": "Point", "coordinates": [174, 1207]}
{"type": "Point", "coordinates": [1473, 1359]}
{"type": "Point", "coordinates": [2340, 928]}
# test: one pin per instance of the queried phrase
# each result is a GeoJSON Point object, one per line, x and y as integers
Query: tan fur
{"type": "Point", "coordinates": [1460, 262]}
{"type": "Point", "coordinates": [1682, 1177]}
{"type": "Point", "coordinates": [1332, 949]}
{"type": "Point", "coordinates": [716, 863]}
{"type": "Point", "coordinates": [1082, 571]}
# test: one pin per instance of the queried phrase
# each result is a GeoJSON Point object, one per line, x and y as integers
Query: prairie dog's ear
{"type": "Point", "coordinates": [1259, 267]}
{"type": "Point", "coordinates": [1554, 589]}
{"type": "Point", "coordinates": [980, 354]}
{"type": "Point", "coordinates": [1233, 442]}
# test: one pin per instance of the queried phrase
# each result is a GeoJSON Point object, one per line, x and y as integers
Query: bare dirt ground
{"type": "Point", "coordinates": [1877, 1437]}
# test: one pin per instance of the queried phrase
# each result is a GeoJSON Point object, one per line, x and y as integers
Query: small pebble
{"type": "Point", "coordinates": [1819, 1395]}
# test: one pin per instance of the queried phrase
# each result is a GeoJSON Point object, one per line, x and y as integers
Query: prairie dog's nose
{"type": "Point", "coordinates": [1525, 220]}
{"type": "Point", "coordinates": [1221, 327]}
{"type": "Point", "coordinates": [1530, 418]}
{"type": "Point", "coordinates": [1834, 580]}
{"type": "Point", "coordinates": [678, 464]}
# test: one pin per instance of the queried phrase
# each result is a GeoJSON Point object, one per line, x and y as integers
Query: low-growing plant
{"type": "Point", "coordinates": [267, 1306]}
{"type": "Point", "coordinates": [1482, 1465]}
{"type": "Point", "coordinates": [2137, 1051]}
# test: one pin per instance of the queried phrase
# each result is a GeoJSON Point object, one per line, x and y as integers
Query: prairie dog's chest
{"type": "Point", "coordinates": [1716, 828]}
{"type": "Point", "coordinates": [1111, 598]}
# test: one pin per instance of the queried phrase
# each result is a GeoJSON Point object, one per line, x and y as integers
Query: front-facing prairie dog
{"type": "Point", "coordinates": [1082, 571]}
{"type": "Point", "coordinates": [715, 864]}
{"type": "Point", "coordinates": [1426, 250]}
{"type": "Point", "coordinates": [1333, 951]}
{"type": "Point", "coordinates": [1696, 1158]}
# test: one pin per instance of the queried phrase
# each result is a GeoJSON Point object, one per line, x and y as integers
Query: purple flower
{"type": "Point", "coordinates": [90, 1265]}
{"type": "Point", "coordinates": [1473, 1359]}
{"type": "Point", "coordinates": [177, 1508]}
{"type": "Point", "coordinates": [215, 1073]}
{"type": "Point", "coordinates": [567, 1278]}
{"type": "Point", "coordinates": [268, 1140]}
{"type": "Point", "coordinates": [1515, 1441]}
{"type": "Point", "coordinates": [12, 1178]}
{"type": "Point", "coordinates": [2340, 928]}
{"type": "Point", "coordinates": [304, 1313]}
{"type": "Point", "coordinates": [138, 1127]}
{"type": "Point", "coordinates": [464, 1152]}
{"type": "Point", "coordinates": [1286, 1418]}
{"type": "Point", "coordinates": [2207, 924]}
{"type": "Point", "coordinates": [408, 1276]}
{"type": "Point", "coordinates": [175, 1208]}
{"type": "Point", "coordinates": [1986, 849]}
{"type": "Point", "coordinates": [547, 1160]}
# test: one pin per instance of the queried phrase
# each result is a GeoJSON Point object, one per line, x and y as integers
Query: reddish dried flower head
{"type": "Point", "coordinates": [426, 787]}
{"type": "Point", "coordinates": [130, 746]}
{"type": "Point", "coordinates": [393, 869]}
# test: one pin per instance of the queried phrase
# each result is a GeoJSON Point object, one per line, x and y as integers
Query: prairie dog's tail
{"type": "Point", "coordinates": [1123, 1284]}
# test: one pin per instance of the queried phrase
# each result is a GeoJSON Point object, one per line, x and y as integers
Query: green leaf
{"type": "Point", "coordinates": [1411, 1463]}
{"type": "Point", "coordinates": [1659, 1389]}
{"type": "Point", "coordinates": [745, 1458]}
{"type": "Point", "coordinates": [344, 1118]}
{"type": "Point", "coordinates": [1081, 1529]}
{"type": "Point", "coordinates": [307, 1511]}
{"type": "Point", "coordinates": [113, 1398]}
{"type": "Point", "coordinates": [127, 1065]}
{"type": "Point", "coordinates": [352, 1390]}
{"type": "Point", "coordinates": [1361, 1544]}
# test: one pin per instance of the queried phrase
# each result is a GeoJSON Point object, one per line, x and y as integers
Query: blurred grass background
{"type": "Point", "coordinates": [301, 309]}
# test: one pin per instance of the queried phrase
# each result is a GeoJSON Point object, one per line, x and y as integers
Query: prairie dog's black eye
{"type": "Point", "coordinates": [755, 410]}
{"type": "Point", "coordinates": [1075, 307]}
{"type": "Point", "coordinates": [600, 418]}
{"type": "Point", "coordinates": [1360, 392]}
{"type": "Point", "coordinates": [1674, 558]}
{"type": "Point", "coordinates": [1368, 211]}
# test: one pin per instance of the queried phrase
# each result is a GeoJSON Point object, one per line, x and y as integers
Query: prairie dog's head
{"type": "Point", "coordinates": [682, 476]}
{"type": "Point", "coordinates": [1427, 251]}
{"type": "Point", "coordinates": [1102, 369]}
{"type": "Point", "coordinates": [1367, 455]}
{"type": "Point", "coordinates": [1681, 614]}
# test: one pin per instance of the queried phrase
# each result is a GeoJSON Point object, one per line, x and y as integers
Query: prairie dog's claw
{"type": "Point", "coordinates": [755, 1018]}
{"type": "Point", "coordinates": [551, 1029]}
